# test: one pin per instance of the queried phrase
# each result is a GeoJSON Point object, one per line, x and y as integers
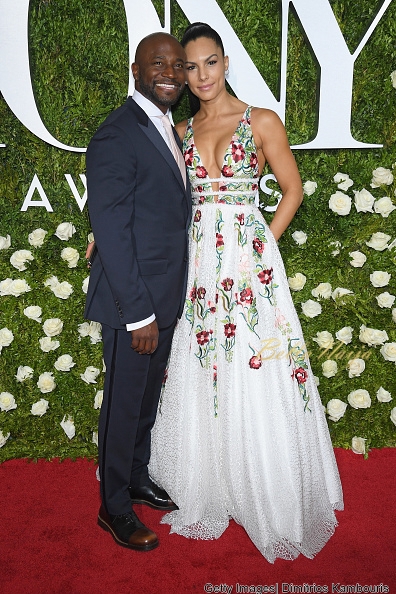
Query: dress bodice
{"type": "Point", "coordinates": [238, 183]}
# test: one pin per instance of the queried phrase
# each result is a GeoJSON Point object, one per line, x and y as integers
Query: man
{"type": "Point", "coordinates": [140, 210]}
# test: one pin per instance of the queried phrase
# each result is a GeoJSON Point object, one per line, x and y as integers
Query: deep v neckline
{"type": "Point", "coordinates": [198, 154]}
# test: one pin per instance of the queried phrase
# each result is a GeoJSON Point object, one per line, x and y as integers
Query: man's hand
{"type": "Point", "coordinates": [145, 340]}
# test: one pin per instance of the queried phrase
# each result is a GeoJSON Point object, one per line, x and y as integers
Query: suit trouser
{"type": "Point", "coordinates": [131, 393]}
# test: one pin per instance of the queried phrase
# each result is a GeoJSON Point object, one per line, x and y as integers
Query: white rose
{"type": "Point", "coordinates": [394, 315]}
{"type": "Point", "coordinates": [71, 256]}
{"type": "Point", "coordinates": [18, 259]}
{"type": "Point", "coordinates": [329, 368]}
{"type": "Point", "coordinates": [343, 180]}
{"type": "Point", "coordinates": [39, 408]}
{"type": "Point", "coordinates": [64, 363]}
{"type": "Point", "coordinates": [359, 399]}
{"type": "Point", "coordinates": [392, 416]}
{"type": "Point", "coordinates": [52, 326]}
{"type": "Point", "coordinates": [322, 290]}
{"type": "Point", "coordinates": [83, 329]}
{"type": "Point", "coordinates": [6, 337]}
{"type": "Point", "coordinates": [383, 395]}
{"type": "Point", "coordinates": [65, 231]}
{"type": "Point", "coordinates": [340, 203]}
{"type": "Point", "coordinates": [5, 286]}
{"type": "Point", "coordinates": [297, 282]}
{"type": "Point", "coordinates": [380, 278]}
{"type": "Point", "coordinates": [24, 372]}
{"type": "Point", "coordinates": [98, 399]}
{"type": "Point", "coordinates": [3, 438]}
{"type": "Point", "coordinates": [5, 242]}
{"type": "Point", "coordinates": [336, 409]}
{"type": "Point", "coordinates": [299, 237]}
{"type": "Point", "coordinates": [393, 78]}
{"type": "Point", "coordinates": [358, 445]}
{"type": "Point", "coordinates": [309, 187]}
{"type": "Point", "coordinates": [371, 336]}
{"type": "Point", "coordinates": [324, 339]}
{"type": "Point", "coordinates": [388, 351]}
{"type": "Point", "coordinates": [378, 241]}
{"type": "Point", "coordinates": [356, 367]}
{"type": "Point", "coordinates": [103, 366]}
{"type": "Point", "coordinates": [95, 332]}
{"type": "Point", "coordinates": [345, 334]}
{"type": "Point", "coordinates": [46, 382]}
{"type": "Point", "coordinates": [18, 287]}
{"type": "Point", "coordinates": [364, 201]}
{"type": "Point", "coordinates": [358, 259]}
{"type": "Point", "coordinates": [90, 237]}
{"type": "Point", "coordinates": [385, 299]}
{"type": "Point", "coordinates": [51, 282]}
{"type": "Point", "coordinates": [62, 290]}
{"type": "Point", "coordinates": [381, 177]}
{"type": "Point", "coordinates": [7, 401]}
{"type": "Point", "coordinates": [311, 308]}
{"type": "Point", "coordinates": [95, 437]}
{"type": "Point", "coordinates": [33, 312]}
{"type": "Point", "coordinates": [384, 206]}
{"type": "Point", "coordinates": [316, 380]}
{"type": "Point", "coordinates": [340, 292]}
{"type": "Point", "coordinates": [68, 427]}
{"type": "Point", "coordinates": [85, 285]}
{"type": "Point", "coordinates": [36, 237]}
{"type": "Point", "coordinates": [47, 344]}
{"type": "Point", "coordinates": [90, 374]}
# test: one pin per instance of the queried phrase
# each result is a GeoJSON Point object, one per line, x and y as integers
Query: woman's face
{"type": "Point", "coordinates": [205, 68]}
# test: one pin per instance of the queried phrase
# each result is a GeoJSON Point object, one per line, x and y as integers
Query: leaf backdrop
{"type": "Point", "coordinates": [79, 63]}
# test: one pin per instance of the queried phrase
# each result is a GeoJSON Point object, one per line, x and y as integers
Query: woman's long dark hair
{"type": "Point", "coordinates": [192, 33]}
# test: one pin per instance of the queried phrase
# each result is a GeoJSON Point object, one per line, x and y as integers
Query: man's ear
{"type": "Point", "coordinates": [135, 71]}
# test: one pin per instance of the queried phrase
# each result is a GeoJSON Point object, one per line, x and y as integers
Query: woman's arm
{"type": "Point", "coordinates": [270, 135]}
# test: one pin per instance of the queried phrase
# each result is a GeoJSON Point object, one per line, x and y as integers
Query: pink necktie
{"type": "Point", "coordinates": [174, 148]}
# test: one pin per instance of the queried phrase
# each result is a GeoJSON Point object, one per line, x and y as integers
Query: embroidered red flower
{"type": "Point", "coordinates": [201, 292]}
{"type": "Point", "coordinates": [219, 240]}
{"type": "Point", "coordinates": [258, 245]}
{"type": "Point", "coordinates": [201, 199]}
{"type": "Point", "coordinates": [229, 330]}
{"type": "Point", "coordinates": [227, 283]}
{"type": "Point", "coordinates": [241, 219]}
{"type": "Point", "coordinates": [265, 276]}
{"type": "Point", "coordinates": [246, 296]}
{"type": "Point", "coordinates": [202, 337]}
{"type": "Point", "coordinates": [255, 362]}
{"type": "Point", "coordinates": [238, 152]}
{"type": "Point", "coordinates": [189, 156]}
{"type": "Point", "coordinates": [227, 171]}
{"type": "Point", "coordinates": [254, 187]}
{"type": "Point", "coordinates": [301, 375]}
{"type": "Point", "coordinates": [253, 160]}
{"type": "Point", "coordinates": [201, 172]}
{"type": "Point", "coordinates": [222, 188]}
{"type": "Point", "coordinates": [193, 294]}
{"type": "Point", "coordinates": [197, 216]}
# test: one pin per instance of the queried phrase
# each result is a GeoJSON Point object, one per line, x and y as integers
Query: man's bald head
{"type": "Point", "coordinates": [158, 69]}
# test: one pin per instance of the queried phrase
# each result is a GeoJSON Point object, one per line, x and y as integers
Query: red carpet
{"type": "Point", "coordinates": [50, 543]}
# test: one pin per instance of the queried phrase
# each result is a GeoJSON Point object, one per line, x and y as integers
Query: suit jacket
{"type": "Point", "coordinates": [140, 213]}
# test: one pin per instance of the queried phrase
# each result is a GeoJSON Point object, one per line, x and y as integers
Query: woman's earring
{"type": "Point", "coordinates": [227, 72]}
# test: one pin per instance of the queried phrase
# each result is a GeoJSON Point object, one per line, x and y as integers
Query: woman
{"type": "Point", "coordinates": [240, 431]}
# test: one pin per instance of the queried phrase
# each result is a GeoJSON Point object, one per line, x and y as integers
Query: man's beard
{"type": "Point", "coordinates": [150, 93]}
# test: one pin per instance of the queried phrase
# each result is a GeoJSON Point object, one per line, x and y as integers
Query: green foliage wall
{"type": "Point", "coordinates": [79, 62]}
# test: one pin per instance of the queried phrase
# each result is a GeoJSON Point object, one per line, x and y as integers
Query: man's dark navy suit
{"type": "Point", "coordinates": [140, 212]}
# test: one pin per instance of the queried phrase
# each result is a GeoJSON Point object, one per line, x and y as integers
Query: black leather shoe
{"type": "Point", "coordinates": [128, 531]}
{"type": "Point", "coordinates": [152, 495]}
